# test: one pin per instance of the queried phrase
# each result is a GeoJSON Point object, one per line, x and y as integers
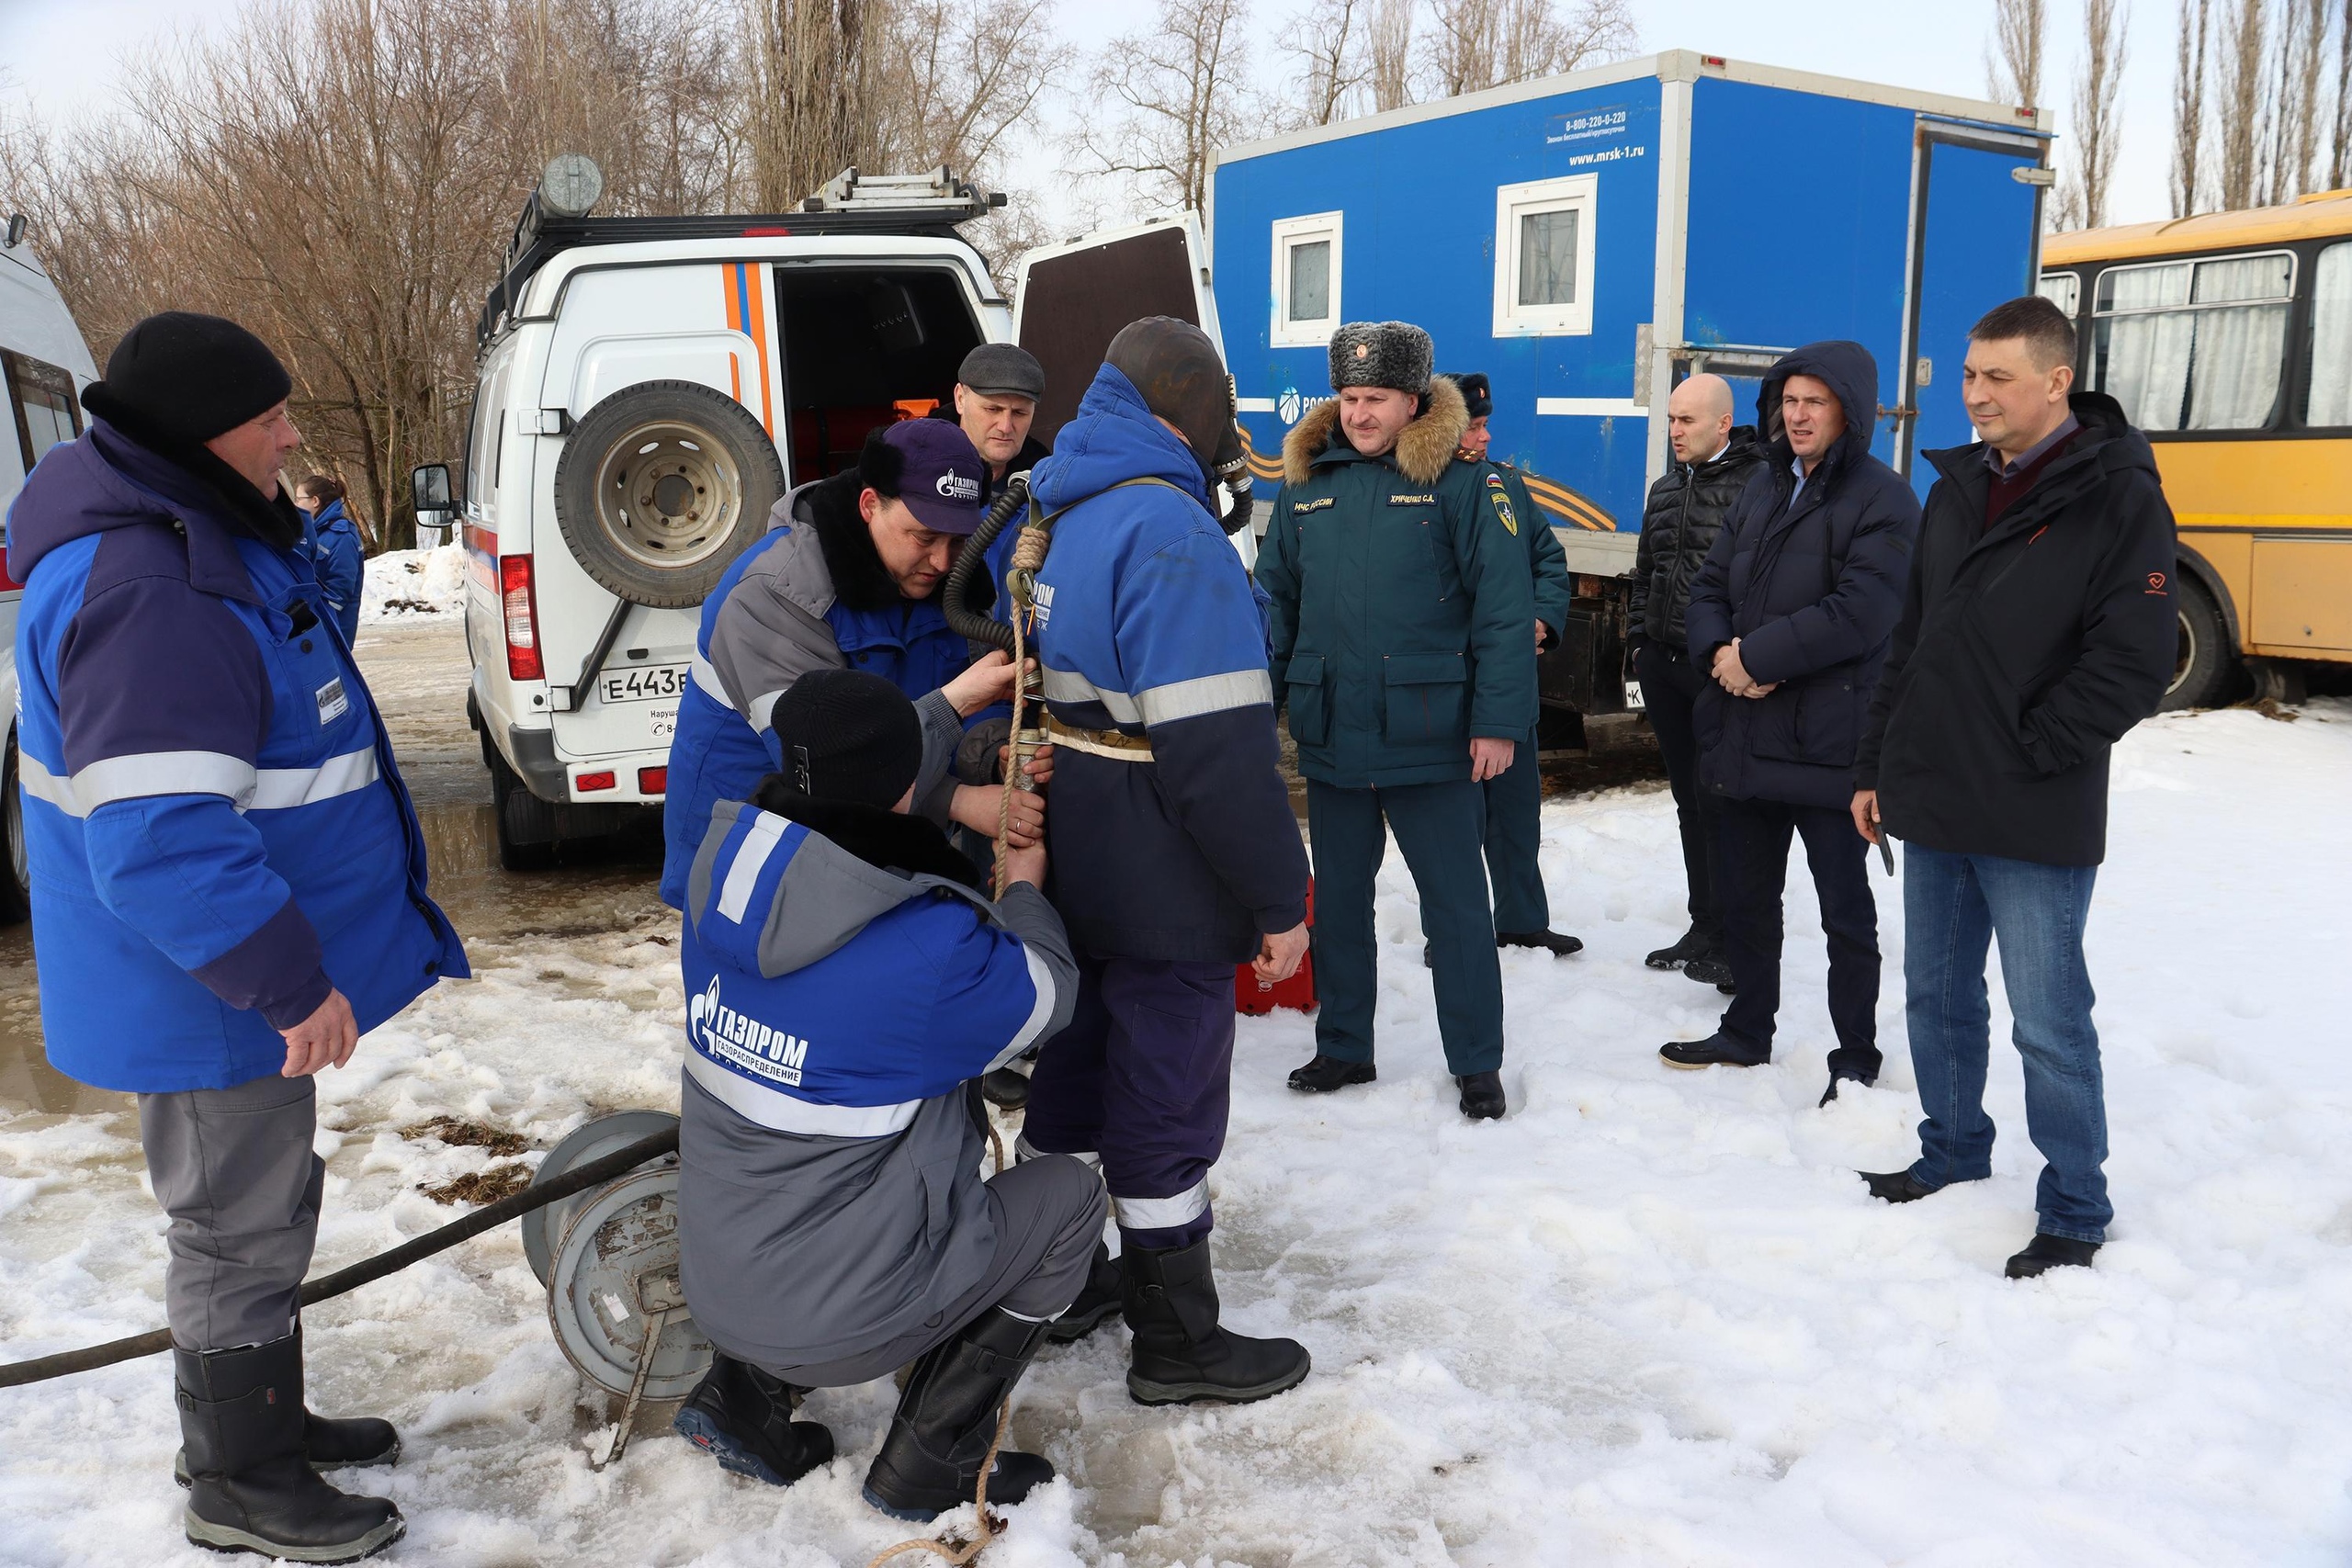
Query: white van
{"type": "Point", "coordinates": [45, 364]}
{"type": "Point", "coordinates": [649, 387]}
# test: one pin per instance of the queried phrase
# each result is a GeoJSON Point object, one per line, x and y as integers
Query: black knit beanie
{"type": "Point", "coordinates": [848, 736]}
{"type": "Point", "coordinates": [188, 377]}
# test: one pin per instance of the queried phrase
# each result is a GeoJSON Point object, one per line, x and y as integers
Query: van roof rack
{"type": "Point", "coordinates": [928, 205]}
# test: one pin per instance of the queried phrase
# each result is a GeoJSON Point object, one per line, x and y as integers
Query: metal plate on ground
{"type": "Point", "coordinates": [543, 1228]}
{"type": "Point", "coordinates": [614, 1271]}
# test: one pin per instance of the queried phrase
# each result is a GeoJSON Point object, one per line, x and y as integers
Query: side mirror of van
{"type": "Point", "coordinates": [436, 505]}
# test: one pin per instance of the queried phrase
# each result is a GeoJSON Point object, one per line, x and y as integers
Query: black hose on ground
{"type": "Point", "coordinates": [976, 625]}
{"type": "Point", "coordinates": [620, 1162]}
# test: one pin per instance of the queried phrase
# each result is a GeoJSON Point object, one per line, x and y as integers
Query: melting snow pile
{"type": "Point", "coordinates": [1650, 1318]}
{"type": "Point", "coordinates": [406, 585]}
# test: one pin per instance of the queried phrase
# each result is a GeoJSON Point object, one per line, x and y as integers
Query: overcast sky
{"type": "Point", "coordinates": [67, 54]}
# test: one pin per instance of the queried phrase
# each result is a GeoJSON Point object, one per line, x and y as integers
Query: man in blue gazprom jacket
{"type": "Point", "coordinates": [1175, 853]}
{"type": "Point", "coordinates": [228, 882]}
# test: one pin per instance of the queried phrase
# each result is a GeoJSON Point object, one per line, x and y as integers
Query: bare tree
{"type": "Point", "coordinates": [2189, 79]}
{"type": "Point", "coordinates": [2339, 156]}
{"type": "Point", "coordinates": [2242, 101]}
{"type": "Point", "coordinates": [958, 79]}
{"type": "Point", "coordinates": [1391, 64]}
{"type": "Point", "coordinates": [2301, 55]}
{"type": "Point", "coordinates": [1478, 44]}
{"type": "Point", "coordinates": [1330, 40]}
{"type": "Point", "coordinates": [1168, 98]}
{"type": "Point", "coordinates": [2098, 79]}
{"type": "Point", "coordinates": [2013, 62]}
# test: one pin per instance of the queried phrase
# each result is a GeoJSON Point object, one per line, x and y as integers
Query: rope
{"type": "Point", "coordinates": [1021, 583]}
{"type": "Point", "coordinates": [991, 1523]}
{"type": "Point", "coordinates": [618, 1163]}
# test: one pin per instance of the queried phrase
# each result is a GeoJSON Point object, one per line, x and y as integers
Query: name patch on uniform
{"type": "Point", "coordinates": [1501, 496]}
{"type": "Point", "coordinates": [333, 703]}
{"type": "Point", "coordinates": [1412, 501]}
{"type": "Point", "coordinates": [1297, 507]}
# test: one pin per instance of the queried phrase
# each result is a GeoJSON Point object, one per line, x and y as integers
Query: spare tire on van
{"type": "Point", "coordinates": [660, 487]}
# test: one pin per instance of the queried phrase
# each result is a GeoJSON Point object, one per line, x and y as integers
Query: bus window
{"type": "Point", "coordinates": [2194, 346]}
{"type": "Point", "coordinates": [2063, 289]}
{"type": "Point", "coordinates": [41, 396]}
{"type": "Point", "coordinates": [2331, 401]}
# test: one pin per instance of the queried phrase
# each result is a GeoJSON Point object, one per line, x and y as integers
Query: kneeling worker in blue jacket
{"type": "Point", "coordinates": [848, 985]}
{"type": "Point", "coordinates": [228, 882]}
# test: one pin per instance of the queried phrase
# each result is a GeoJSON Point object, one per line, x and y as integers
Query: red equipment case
{"type": "Point", "coordinates": [1250, 996]}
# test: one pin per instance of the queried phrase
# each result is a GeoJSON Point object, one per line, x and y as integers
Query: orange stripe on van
{"type": "Point", "coordinates": [752, 284]}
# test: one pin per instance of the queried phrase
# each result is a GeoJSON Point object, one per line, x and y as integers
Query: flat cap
{"type": "Point", "coordinates": [1003, 367]}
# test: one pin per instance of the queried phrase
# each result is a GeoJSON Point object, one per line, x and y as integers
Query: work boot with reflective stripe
{"type": "Point", "coordinates": [947, 1418]}
{"type": "Point", "coordinates": [243, 1429]}
{"type": "Point", "coordinates": [1180, 1353]}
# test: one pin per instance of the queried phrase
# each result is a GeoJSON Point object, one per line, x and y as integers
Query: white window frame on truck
{"type": "Point", "coordinates": [1579, 194]}
{"type": "Point", "coordinates": [1291, 234]}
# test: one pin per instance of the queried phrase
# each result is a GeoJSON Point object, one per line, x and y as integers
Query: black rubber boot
{"type": "Point", "coordinates": [2046, 1252]}
{"type": "Point", "coordinates": [1180, 1355]}
{"type": "Point", "coordinates": [1006, 1088]}
{"type": "Point", "coordinates": [1096, 1304]}
{"type": "Point", "coordinates": [946, 1419]}
{"type": "Point", "coordinates": [1323, 1073]}
{"type": "Point", "coordinates": [360, 1442]}
{"type": "Point", "coordinates": [243, 1426]}
{"type": "Point", "coordinates": [1897, 1186]}
{"type": "Point", "coordinates": [742, 1416]}
{"type": "Point", "coordinates": [1554, 942]}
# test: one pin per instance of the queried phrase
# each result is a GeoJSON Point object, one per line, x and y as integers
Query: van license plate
{"type": "Point", "coordinates": [650, 684]}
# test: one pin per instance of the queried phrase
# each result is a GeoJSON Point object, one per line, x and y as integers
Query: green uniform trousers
{"type": "Point", "coordinates": [1440, 827]}
{"type": "Point", "coordinates": [1514, 838]}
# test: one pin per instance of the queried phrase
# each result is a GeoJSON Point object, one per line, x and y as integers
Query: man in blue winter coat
{"type": "Point", "coordinates": [849, 983]}
{"type": "Point", "coordinates": [1791, 615]}
{"type": "Point", "coordinates": [1175, 853]}
{"type": "Point", "coordinates": [847, 576]}
{"type": "Point", "coordinates": [336, 555]}
{"type": "Point", "coordinates": [228, 882]}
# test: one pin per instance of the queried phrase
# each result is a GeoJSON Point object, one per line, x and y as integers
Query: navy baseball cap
{"type": "Point", "coordinates": [944, 477]}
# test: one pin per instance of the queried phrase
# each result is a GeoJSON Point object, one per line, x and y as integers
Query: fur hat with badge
{"type": "Point", "coordinates": [1395, 355]}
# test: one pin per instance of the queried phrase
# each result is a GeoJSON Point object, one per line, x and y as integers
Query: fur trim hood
{"type": "Point", "coordinates": [1424, 448]}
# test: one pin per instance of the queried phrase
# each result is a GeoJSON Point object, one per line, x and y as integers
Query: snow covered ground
{"type": "Point", "coordinates": [405, 585]}
{"type": "Point", "coordinates": [1650, 1318]}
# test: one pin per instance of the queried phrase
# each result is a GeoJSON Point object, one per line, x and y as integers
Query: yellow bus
{"type": "Point", "coordinates": [2228, 338]}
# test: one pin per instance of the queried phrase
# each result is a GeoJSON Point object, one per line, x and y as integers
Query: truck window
{"type": "Point", "coordinates": [41, 396]}
{"type": "Point", "coordinates": [858, 343]}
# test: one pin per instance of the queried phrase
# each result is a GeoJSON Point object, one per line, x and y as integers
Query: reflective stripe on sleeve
{"type": "Point", "coordinates": [1206, 693]}
{"type": "Point", "coordinates": [1163, 1214]}
{"type": "Point", "coordinates": [1023, 1149]}
{"type": "Point", "coordinates": [148, 773]}
{"type": "Point", "coordinates": [751, 858]}
{"type": "Point", "coordinates": [1069, 686]}
{"type": "Point", "coordinates": [782, 1112]}
{"type": "Point", "coordinates": [704, 675]}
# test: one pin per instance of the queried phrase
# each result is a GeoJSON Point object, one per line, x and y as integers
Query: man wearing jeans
{"type": "Point", "coordinates": [2037, 628]}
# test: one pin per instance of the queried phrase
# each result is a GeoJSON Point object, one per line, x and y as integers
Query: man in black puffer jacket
{"type": "Point", "coordinates": [1679, 521]}
{"type": "Point", "coordinates": [1791, 615]}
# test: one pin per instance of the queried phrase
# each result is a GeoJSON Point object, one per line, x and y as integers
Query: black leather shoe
{"type": "Point", "coordinates": [1553, 942]}
{"type": "Point", "coordinates": [1895, 1186]}
{"type": "Point", "coordinates": [1693, 944]}
{"type": "Point", "coordinates": [252, 1487]}
{"type": "Point", "coordinates": [1835, 1079]}
{"type": "Point", "coordinates": [1181, 1353]}
{"type": "Point", "coordinates": [1096, 1304]}
{"type": "Point", "coordinates": [1482, 1095]}
{"type": "Point", "coordinates": [1711, 970]}
{"type": "Point", "coordinates": [1714, 1051]}
{"type": "Point", "coordinates": [1325, 1073]}
{"type": "Point", "coordinates": [742, 1416]}
{"type": "Point", "coordinates": [947, 1417]}
{"type": "Point", "coordinates": [2044, 1253]}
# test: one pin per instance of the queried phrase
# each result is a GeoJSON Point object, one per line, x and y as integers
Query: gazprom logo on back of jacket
{"type": "Point", "coordinates": [740, 1041]}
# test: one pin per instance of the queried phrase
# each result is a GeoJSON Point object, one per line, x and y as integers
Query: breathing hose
{"type": "Point", "coordinates": [327, 1287]}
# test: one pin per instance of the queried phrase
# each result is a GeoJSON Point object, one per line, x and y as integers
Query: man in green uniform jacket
{"type": "Point", "coordinates": [1515, 800]}
{"type": "Point", "coordinates": [1400, 615]}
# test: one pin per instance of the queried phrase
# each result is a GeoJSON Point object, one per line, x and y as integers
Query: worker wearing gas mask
{"type": "Point", "coordinates": [1175, 853]}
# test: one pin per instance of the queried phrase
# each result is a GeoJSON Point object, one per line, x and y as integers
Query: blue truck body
{"type": "Point", "coordinates": [1723, 212]}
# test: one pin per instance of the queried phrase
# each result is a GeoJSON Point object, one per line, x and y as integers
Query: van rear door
{"type": "Point", "coordinates": [1073, 299]}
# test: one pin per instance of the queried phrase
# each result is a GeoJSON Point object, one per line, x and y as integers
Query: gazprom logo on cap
{"type": "Point", "coordinates": [956, 487]}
